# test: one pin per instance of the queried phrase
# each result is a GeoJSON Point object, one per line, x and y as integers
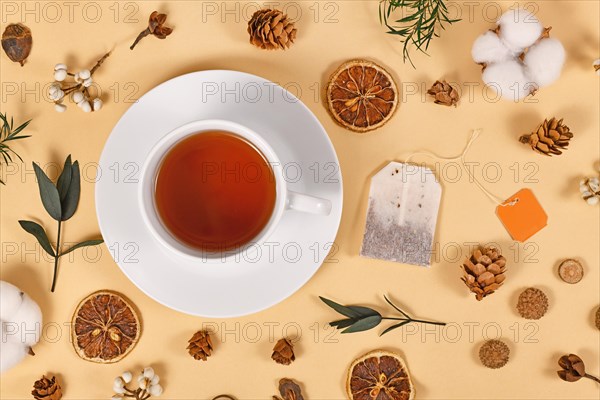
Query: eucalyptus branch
{"type": "Point", "coordinates": [364, 318]}
{"type": "Point", "coordinates": [422, 20]}
{"type": "Point", "coordinates": [60, 201]}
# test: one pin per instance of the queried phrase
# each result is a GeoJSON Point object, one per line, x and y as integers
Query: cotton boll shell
{"type": "Point", "coordinates": [28, 320]}
{"type": "Point", "coordinates": [544, 61]}
{"type": "Point", "coordinates": [488, 48]}
{"type": "Point", "coordinates": [508, 80]}
{"type": "Point", "coordinates": [11, 354]}
{"type": "Point", "coordinates": [519, 29]}
{"type": "Point", "coordinates": [10, 300]}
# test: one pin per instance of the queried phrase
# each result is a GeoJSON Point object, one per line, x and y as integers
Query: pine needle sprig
{"type": "Point", "coordinates": [8, 133]}
{"type": "Point", "coordinates": [422, 22]}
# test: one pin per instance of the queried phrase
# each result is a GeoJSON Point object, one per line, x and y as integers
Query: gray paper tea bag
{"type": "Point", "coordinates": [404, 200]}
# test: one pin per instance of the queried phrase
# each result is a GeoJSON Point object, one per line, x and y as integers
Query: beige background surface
{"type": "Point", "coordinates": [330, 32]}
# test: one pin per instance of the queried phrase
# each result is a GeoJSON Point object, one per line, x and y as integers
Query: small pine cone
{"type": "Point", "coordinates": [283, 352]}
{"type": "Point", "coordinates": [484, 271]}
{"type": "Point", "coordinates": [549, 137]}
{"type": "Point", "coordinates": [271, 30]}
{"type": "Point", "coordinates": [46, 389]}
{"type": "Point", "coordinates": [444, 93]}
{"type": "Point", "coordinates": [200, 345]}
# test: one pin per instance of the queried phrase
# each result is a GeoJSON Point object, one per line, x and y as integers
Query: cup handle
{"type": "Point", "coordinates": [308, 204]}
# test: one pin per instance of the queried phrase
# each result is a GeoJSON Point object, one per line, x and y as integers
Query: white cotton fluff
{"type": "Point", "coordinates": [488, 48]}
{"type": "Point", "coordinates": [519, 29]}
{"type": "Point", "coordinates": [544, 61]}
{"type": "Point", "coordinates": [28, 321]}
{"type": "Point", "coordinates": [508, 79]}
{"type": "Point", "coordinates": [11, 355]}
{"type": "Point", "coordinates": [10, 300]}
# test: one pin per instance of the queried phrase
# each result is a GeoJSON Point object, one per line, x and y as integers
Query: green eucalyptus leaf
{"type": "Point", "coordinates": [364, 324]}
{"type": "Point", "coordinates": [64, 180]}
{"type": "Point", "coordinates": [350, 311]}
{"type": "Point", "coordinates": [40, 234]}
{"type": "Point", "coordinates": [72, 196]}
{"type": "Point", "coordinates": [83, 244]}
{"type": "Point", "coordinates": [395, 326]}
{"type": "Point", "coordinates": [48, 193]}
{"type": "Point", "coordinates": [342, 323]}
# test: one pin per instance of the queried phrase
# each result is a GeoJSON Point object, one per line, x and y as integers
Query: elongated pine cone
{"type": "Point", "coordinates": [549, 137]}
{"type": "Point", "coordinates": [200, 345]}
{"type": "Point", "coordinates": [271, 30]}
{"type": "Point", "coordinates": [46, 389]}
{"type": "Point", "coordinates": [484, 271]}
{"type": "Point", "coordinates": [283, 352]}
{"type": "Point", "coordinates": [444, 93]}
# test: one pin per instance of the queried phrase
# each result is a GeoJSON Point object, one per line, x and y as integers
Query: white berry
{"type": "Point", "coordinates": [155, 390]}
{"type": "Point", "coordinates": [592, 201]}
{"type": "Point", "coordinates": [60, 66]}
{"type": "Point", "coordinates": [148, 373]}
{"type": "Point", "coordinates": [60, 108]}
{"type": "Point", "coordinates": [77, 96]}
{"type": "Point", "coordinates": [84, 74]}
{"type": "Point", "coordinates": [85, 106]}
{"type": "Point", "coordinates": [60, 75]}
{"type": "Point", "coordinates": [87, 82]}
{"type": "Point", "coordinates": [97, 104]}
{"type": "Point", "coordinates": [127, 376]}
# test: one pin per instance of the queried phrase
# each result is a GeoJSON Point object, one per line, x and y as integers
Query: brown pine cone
{"type": "Point", "coordinates": [200, 345]}
{"type": "Point", "coordinates": [46, 389]}
{"type": "Point", "coordinates": [549, 137]}
{"type": "Point", "coordinates": [484, 271]}
{"type": "Point", "coordinates": [271, 30]}
{"type": "Point", "coordinates": [283, 352]}
{"type": "Point", "coordinates": [444, 93]}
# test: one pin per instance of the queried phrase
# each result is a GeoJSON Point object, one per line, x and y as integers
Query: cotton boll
{"type": "Point", "coordinates": [544, 61]}
{"type": "Point", "coordinates": [519, 29]}
{"type": "Point", "coordinates": [10, 300]}
{"type": "Point", "coordinates": [28, 320]}
{"type": "Point", "coordinates": [508, 80]}
{"type": "Point", "coordinates": [488, 48]}
{"type": "Point", "coordinates": [11, 354]}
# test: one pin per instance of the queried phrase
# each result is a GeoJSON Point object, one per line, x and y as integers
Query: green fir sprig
{"type": "Point", "coordinates": [364, 318]}
{"type": "Point", "coordinates": [421, 21]}
{"type": "Point", "coordinates": [9, 133]}
{"type": "Point", "coordinates": [60, 201]}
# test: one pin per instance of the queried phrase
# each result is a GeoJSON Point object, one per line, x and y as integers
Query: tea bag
{"type": "Point", "coordinates": [404, 200]}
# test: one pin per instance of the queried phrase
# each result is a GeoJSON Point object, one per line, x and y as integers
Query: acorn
{"type": "Point", "coordinates": [16, 42]}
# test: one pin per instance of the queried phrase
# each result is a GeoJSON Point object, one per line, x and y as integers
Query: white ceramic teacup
{"type": "Point", "coordinates": [284, 200]}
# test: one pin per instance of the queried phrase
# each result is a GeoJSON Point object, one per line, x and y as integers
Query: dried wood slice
{"type": "Point", "coordinates": [379, 375]}
{"type": "Point", "coordinates": [570, 271]}
{"type": "Point", "coordinates": [361, 96]}
{"type": "Point", "coordinates": [105, 327]}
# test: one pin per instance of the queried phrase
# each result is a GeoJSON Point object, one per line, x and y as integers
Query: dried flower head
{"type": "Point", "coordinates": [444, 93]}
{"type": "Point", "coordinates": [155, 27]}
{"type": "Point", "coordinates": [494, 354]}
{"type": "Point", "coordinates": [532, 303]}
{"type": "Point", "coordinates": [573, 369]}
{"type": "Point", "coordinates": [147, 381]}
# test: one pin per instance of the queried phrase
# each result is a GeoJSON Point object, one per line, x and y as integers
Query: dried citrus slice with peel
{"type": "Point", "coordinates": [379, 375]}
{"type": "Point", "coordinates": [361, 95]}
{"type": "Point", "coordinates": [105, 327]}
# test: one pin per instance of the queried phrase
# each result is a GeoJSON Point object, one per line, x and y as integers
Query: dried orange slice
{"type": "Point", "coordinates": [105, 327]}
{"type": "Point", "coordinates": [361, 95]}
{"type": "Point", "coordinates": [379, 375]}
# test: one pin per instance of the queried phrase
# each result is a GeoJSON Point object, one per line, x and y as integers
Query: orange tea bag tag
{"type": "Point", "coordinates": [522, 215]}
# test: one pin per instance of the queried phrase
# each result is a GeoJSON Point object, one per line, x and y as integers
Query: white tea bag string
{"type": "Point", "coordinates": [461, 157]}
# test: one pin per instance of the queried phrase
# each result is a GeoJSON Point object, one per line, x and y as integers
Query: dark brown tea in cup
{"type": "Point", "coordinates": [215, 191]}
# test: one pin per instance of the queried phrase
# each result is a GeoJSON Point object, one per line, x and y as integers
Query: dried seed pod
{"type": "Point", "coordinates": [532, 303]}
{"type": "Point", "coordinates": [494, 354]}
{"type": "Point", "coordinates": [17, 42]}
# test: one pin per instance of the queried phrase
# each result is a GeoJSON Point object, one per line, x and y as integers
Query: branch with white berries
{"type": "Point", "coordinates": [78, 87]}
{"type": "Point", "coordinates": [148, 385]}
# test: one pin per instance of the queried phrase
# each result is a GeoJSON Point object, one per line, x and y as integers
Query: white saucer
{"type": "Point", "coordinates": [299, 244]}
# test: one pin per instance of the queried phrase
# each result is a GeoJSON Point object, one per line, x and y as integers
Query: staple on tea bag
{"type": "Point", "coordinates": [404, 200]}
